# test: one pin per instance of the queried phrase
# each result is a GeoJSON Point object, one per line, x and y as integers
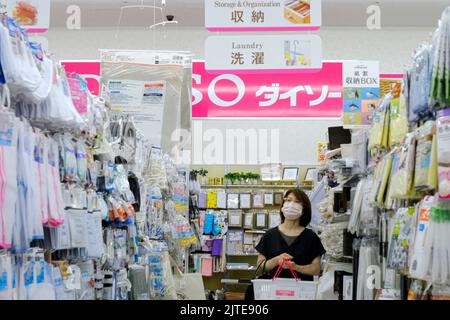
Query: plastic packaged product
{"type": "Point", "coordinates": [139, 283]}
{"type": "Point", "coordinates": [60, 291]}
{"type": "Point", "coordinates": [122, 185]}
{"type": "Point", "coordinates": [419, 82]}
{"type": "Point", "coordinates": [420, 252]}
{"type": "Point", "coordinates": [432, 178]}
{"type": "Point", "coordinates": [33, 192]}
{"type": "Point", "coordinates": [155, 216]}
{"type": "Point", "coordinates": [163, 74]}
{"type": "Point", "coordinates": [398, 121]}
{"type": "Point", "coordinates": [359, 149]}
{"type": "Point", "coordinates": [398, 245]}
{"type": "Point", "coordinates": [438, 238]}
{"type": "Point", "coordinates": [120, 248]}
{"type": "Point", "coordinates": [81, 156]}
{"type": "Point", "coordinates": [29, 212]}
{"type": "Point", "coordinates": [62, 112]}
{"type": "Point", "coordinates": [386, 166]}
{"type": "Point", "coordinates": [116, 211]}
{"type": "Point", "coordinates": [44, 284]}
{"type": "Point", "coordinates": [86, 292]}
{"type": "Point", "coordinates": [42, 92]}
{"type": "Point", "coordinates": [55, 199]}
{"type": "Point", "coordinates": [8, 174]}
{"type": "Point", "coordinates": [68, 157]}
{"type": "Point", "coordinates": [440, 80]}
{"type": "Point", "coordinates": [20, 69]}
{"type": "Point", "coordinates": [443, 154]}
{"type": "Point", "coordinates": [402, 179]}
{"type": "Point", "coordinates": [368, 257]}
{"type": "Point", "coordinates": [378, 132]}
{"type": "Point", "coordinates": [396, 154]}
{"type": "Point", "coordinates": [424, 136]}
{"type": "Point", "coordinates": [108, 171]}
{"type": "Point", "coordinates": [41, 157]}
{"type": "Point", "coordinates": [6, 277]}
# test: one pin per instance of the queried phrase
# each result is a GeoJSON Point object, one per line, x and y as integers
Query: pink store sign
{"type": "Point", "coordinates": [301, 95]}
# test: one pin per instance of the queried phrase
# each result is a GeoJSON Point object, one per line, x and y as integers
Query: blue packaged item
{"type": "Point", "coordinates": [209, 224]}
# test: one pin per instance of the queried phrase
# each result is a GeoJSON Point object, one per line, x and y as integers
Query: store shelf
{"type": "Point", "coordinates": [243, 255]}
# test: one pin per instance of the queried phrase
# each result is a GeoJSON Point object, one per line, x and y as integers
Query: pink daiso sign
{"type": "Point", "coordinates": [268, 95]}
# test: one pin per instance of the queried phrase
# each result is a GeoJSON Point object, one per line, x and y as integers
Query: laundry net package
{"type": "Point", "coordinates": [153, 88]}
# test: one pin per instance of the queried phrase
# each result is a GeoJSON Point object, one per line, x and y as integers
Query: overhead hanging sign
{"type": "Point", "coordinates": [263, 15]}
{"type": "Point", "coordinates": [361, 81]}
{"type": "Point", "coordinates": [271, 53]}
{"type": "Point", "coordinates": [268, 95]}
{"type": "Point", "coordinates": [33, 15]}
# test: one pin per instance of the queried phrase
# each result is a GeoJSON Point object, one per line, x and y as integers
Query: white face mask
{"type": "Point", "coordinates": [292, 210]}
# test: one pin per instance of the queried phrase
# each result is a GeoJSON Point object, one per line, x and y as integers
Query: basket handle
{"type": "Point", "coordinates": [280, 268]}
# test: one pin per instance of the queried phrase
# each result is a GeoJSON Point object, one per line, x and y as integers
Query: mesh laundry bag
{"type": "Point", "coordinates": [153, 87]}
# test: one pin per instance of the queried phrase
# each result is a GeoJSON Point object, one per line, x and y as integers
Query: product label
{"type": "Point", "coordinates": [361, 81]}
{"type": "Point", "coordinates": [3, 281]}
{"type": "Point", "coordinates": [144, 101]}
{"type": "Point", "coordinates": [41, 275]}
{"type": "Point", "coordinates": [79, 95]}
{"type": "Point", "coordinates": [6, 137]}
{"type": "Point", "coordinates": [29, 276]}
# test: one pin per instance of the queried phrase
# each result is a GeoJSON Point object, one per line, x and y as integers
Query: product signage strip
{"type": "Point", "coordinates": [268, 95]}
{"type": "Point", "coordinates": [279, 53]}
{"type": "Point", "coordinates": [33, 15]}
{"type": "Point", "coordinates": [263, 15]}
{"type": "Point", "coordinates": [362, 94]}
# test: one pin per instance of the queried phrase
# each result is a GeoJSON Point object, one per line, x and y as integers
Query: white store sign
{"type": "Point", "coordinates": [280, 53]}
{"type": "Point", "coordinates": [268, 15]}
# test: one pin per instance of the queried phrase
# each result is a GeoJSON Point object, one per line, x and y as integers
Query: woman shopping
{"type": "Point", "coordinates": [291, 243]}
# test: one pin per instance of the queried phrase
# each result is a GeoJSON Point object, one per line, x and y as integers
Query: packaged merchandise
{"type": "Point", "coordinates": [402, 179]}
{"type": "Point", "coordinates": [424, 167]}
{"type": "Point", "coordinates": [443, 155]}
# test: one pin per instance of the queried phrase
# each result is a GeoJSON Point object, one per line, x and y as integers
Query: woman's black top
{"type": "Point", "coordinates": [304, 249]}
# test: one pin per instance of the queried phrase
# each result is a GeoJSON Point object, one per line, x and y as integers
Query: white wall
{"type": "Point", "coordinates": [298, 139]}
{"type": "Point", "coordinates": [392, 47]}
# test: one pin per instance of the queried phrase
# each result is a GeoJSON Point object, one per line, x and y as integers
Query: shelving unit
{"type": "Point", "coordinates": [236, 279]}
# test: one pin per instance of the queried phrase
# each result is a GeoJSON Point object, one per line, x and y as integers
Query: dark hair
{"type": "Point", "coordinates": [301, 196]}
